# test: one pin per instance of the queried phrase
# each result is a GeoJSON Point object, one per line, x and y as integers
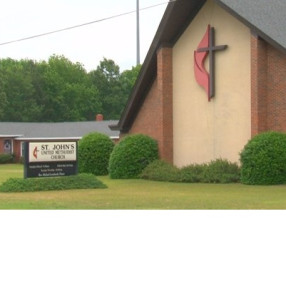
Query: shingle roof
{"type": "Point", "coordinates": [264, 17]}
{"type": "Point", "coordinates": [27, 130]}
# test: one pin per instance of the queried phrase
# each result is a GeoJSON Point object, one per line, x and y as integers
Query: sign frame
{"type": "Point", "coordinates": [50, 159]}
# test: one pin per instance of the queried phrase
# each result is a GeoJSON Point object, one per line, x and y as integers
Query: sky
{"type": "Point", "coordinates": [112, 39]}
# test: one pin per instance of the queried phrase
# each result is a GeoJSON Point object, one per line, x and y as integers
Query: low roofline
{"type": "Point", "coordinates": [54, 138]}
{"type": "Point", "coordinates": [113, 127]}
{"type": "Point", "coordinates": [9, 136]}
{"type": "Point", "coordinates": [46, 138]}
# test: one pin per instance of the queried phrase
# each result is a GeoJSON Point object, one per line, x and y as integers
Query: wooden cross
{"type": "Point", "coordinates": [211, 49]}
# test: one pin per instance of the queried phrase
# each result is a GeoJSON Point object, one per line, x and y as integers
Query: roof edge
{"type": "Point", "coordinates": [174, 22]}
{"type": "Point", "coordinates": [253, 28]}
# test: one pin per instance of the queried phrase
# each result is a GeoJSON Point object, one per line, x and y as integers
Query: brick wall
{"type": "Point", "coordinates": [155, 117]}
{"type": "Point", "coordinates": [268, 87]}
{"type": "Point", "coordinates": [276, 101]}
{"type": "Point", "coordinates": [17, 150]}
{"type": "Point", "coordinates": [16, 147]}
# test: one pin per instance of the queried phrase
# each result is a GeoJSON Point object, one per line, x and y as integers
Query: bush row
{"type": "Point", "coordinates": [6, 158]}
{"type": "Point", "coordinates": [81, 181]}
{"type": "Point", "coordinates": [217, 171]}
{"type": "Point", "coordinates": [263, 161]}
{"type": "Point", "coordinates": [97, 155]}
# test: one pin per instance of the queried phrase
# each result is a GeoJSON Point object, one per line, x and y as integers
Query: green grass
{"type": "Point", "coordinates": [141, 194]}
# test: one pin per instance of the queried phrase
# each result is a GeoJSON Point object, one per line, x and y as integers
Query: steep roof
{"type": "Point", "coordinates": [265, 18]}
{"type": "Point", "coordinates": [59, 130]}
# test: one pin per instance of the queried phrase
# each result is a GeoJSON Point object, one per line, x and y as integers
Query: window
{"type": "Point", "coordinates": [8, 146]}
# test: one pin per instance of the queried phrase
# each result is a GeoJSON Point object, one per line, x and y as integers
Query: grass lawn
{"type": "Point", "coordinates": [141, 194]}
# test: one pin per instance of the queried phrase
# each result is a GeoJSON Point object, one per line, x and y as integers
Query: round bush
{"type": "Point", "coordinates": [131, 155]}
{"type": "Point", "coordinates": [263, 160]}
{"type": "Point", "coordinates": [94, 150]}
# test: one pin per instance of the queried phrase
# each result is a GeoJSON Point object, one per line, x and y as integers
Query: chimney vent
{"type": "Point", "coordinates": [99, 117]}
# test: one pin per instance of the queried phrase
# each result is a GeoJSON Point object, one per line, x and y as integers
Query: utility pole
{"type": "Point", "coordinates": [138, 33]}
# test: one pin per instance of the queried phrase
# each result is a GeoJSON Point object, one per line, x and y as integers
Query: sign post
{"type": "Point", "coordinates": [50, 159]}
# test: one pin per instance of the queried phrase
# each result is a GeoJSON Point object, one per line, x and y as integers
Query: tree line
{"type": "Point", "coordinates": [58, 90]}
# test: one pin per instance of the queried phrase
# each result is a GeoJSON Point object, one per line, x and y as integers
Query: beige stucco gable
{"type": "Point", "coordinates": [204, 130]}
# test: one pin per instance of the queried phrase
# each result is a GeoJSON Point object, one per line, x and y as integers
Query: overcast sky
{"type": "Point", "coordinates": [113, 39]}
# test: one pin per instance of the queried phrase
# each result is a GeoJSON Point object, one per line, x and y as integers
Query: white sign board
{"type": "Point", "coordinates": [52, 151]}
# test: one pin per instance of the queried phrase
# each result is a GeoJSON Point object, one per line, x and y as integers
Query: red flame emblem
{"type": "Point", "coordinates": [202, 76]}
{"type": "Point", "coordinates": [207, 47]}
{"type": "Point", "coordinates": [35, 152]}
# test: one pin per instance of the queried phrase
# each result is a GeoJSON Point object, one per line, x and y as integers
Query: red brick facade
{"type": "Point", "coordinates": [268, 87]}
{"type": "Point", "coordinates": [15, 147]}
{"type": "Point", "coordinates": [268, 96]}
{"type": "Point", "coordinates": [155, 117]}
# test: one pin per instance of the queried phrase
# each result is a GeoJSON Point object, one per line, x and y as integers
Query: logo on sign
{"type": "Point", "coordinates": [35, 152]}
{"type": "Point", "coordinates": [52, 151]}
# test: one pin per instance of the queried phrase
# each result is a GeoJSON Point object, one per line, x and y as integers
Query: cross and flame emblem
{"type": "Point", "coordinates": [206, 48]}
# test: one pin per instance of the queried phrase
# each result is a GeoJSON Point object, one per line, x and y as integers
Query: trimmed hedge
{"type": "Point", "coordinates": [81, 181]}
{"type": "Point", "coordinates": [217, 171]}
{"type": "Point", "coordinates": [263, 159]}
{"type": "Point", "coordinates": [94, 150]}
{"type": "Point", "coordinates": [131, 155]}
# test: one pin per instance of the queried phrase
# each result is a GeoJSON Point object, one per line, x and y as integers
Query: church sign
{"type": "Point", "coordinates": [206, 48]}
{"type": "Point", "coordinates": [50, 159]}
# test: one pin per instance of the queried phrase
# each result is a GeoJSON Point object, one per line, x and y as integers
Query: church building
{"type": "Point", "coordinates": [214, 76]}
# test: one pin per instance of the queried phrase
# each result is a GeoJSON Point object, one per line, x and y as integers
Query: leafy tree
{"type": "Point", "coordinates": [114, 88]}
{"type": "Point", "coordinates": [21, 100]}
{"type": "Point", "coordinates": [127, 80]}
{"type": "Point", "coordinates": [106, 80]}
{"type": "Point", "coordinates": [70, 93]}
{"type": "Point", "coordinates": [59, 90]}
{"type": "Point", "coordinates": [3, 98]}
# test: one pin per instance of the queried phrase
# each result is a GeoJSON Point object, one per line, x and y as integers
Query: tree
{"type": "Point", "coordinates": [114, 88]}
{"type": "Point", "coordinates": [3, 98]}
{"type": "Point", "coordinates": [18, 90]}
{"type": "Point", "coordinates": [127, 80]}
{"type": "Point", "coordinates": [106, 79]}
{"type": "Point", "coordinates": [70, 94]}
{"type": "Point", "coordinates": [59, 90]}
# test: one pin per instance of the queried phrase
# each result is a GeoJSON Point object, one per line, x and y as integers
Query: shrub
{"type": "Point", "coordinates": [160, 170]}
{"type": "Point", "coordinates": [131, 155]}
{"type": "Point", "coordinates": [192, 173]}
{"type": "Point", "coordinates": [263, 159]}
{"type": "Point", "coordinates": [6, 158]}
{"type": "Point", "coordinates": [217, 171]}
{"type": "Point", "coordinates": [81, 181]}
{"type": "Point", "coordinates": [221, 171]}
{"type": "Point", "coordinates": [94, 151]}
